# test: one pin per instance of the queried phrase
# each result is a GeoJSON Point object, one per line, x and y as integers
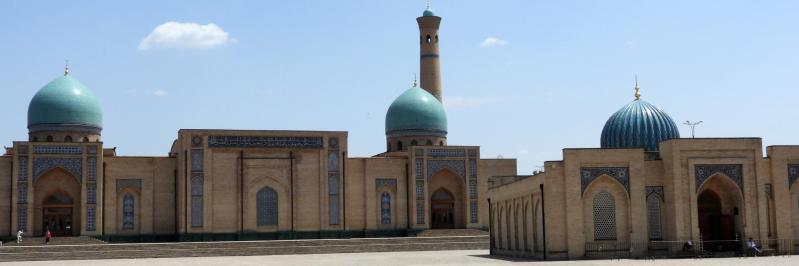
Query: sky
{"type": "Point", "coordinates": [522, 79]}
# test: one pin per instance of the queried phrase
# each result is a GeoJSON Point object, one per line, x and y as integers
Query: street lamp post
{"type": "Point", "coordinates": [693, 126]}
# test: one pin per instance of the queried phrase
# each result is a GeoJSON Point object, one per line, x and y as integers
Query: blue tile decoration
{"type": "Point", "coordinates": [72, 165]}
{"type": "Point", "coordinates": [704, 171]}
{"type": "Point", "coordinates": [389, 182]}
{"type": "Point", "coordinates": [446, 153]}
{"type": "Point", "coordinates": [51, 149]}
{"type": "Point", "coordinates": [658, 190]}
{"type": "Point", "coordinates": [589, 174]}
{"type": "Point", "coordinates": [457, 166]}
{"type": "Point", "coordinates": [793, 174]}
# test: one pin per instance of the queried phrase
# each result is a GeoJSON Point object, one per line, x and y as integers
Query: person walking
{"type": "Point", "coordinates": [19, 236]}
{"type": "Point", "coordinates": [752, 247]}
{"type": "Point", "coordinates": [47, 236]}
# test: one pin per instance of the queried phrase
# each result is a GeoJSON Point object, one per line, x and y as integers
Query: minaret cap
{"type": "Point", "coordinates": [637, 89]}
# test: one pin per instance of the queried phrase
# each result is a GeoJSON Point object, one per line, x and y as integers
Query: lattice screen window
{"type": "Point", "coordinates": [197, 201]}
{"type": "Point", "coordinates": [267, 206]}
{"type": "Point", "coordinates": [127, 212]}
{"type": "Point", "coordinates": [604, 217]}
{"type": "Point", "coordinates": [653, 210]}
{"type": "Point", "coordinates": [385, 208]}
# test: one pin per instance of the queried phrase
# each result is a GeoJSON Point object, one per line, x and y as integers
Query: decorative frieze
{"type": "Point", "coordinates": [22, 217]}
{"type": "Point", "coordinates": [420, 201]}
{"type": "Point", "coordinates": [72, 165]}
{"type": "Point", "coordinates": [51, 149]}
{"type": "Point", "coordinates": [446, 153]}
{"type": "Point", "coordinates": [22, 180]}
{"type": "Point", "coordinates": [589, 174]}
{"type": "Point", "coordinates": [265, 142]}
{"type": "Point", "coordinates": [705, 171]}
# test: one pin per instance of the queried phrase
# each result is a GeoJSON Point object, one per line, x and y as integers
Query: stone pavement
{"type": "Point", "coordinates": [452, 257]}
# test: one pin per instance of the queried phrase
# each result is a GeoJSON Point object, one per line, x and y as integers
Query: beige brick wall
{"type": "Point", "coordinates": [5, 195]}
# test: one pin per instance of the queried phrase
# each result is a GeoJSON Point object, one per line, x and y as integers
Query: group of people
{"type": "Point", "coordinates": [47, 236]}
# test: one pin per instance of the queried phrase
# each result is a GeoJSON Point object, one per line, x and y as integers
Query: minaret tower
{"type": "Point", "coordinates": [429, 63]}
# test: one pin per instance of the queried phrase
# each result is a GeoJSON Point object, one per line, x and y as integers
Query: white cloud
{"type": "Point", "coordinates": [492, 42]}
{"type": "Point", "coordinates": [160, 93]}
{"type": "Point", "coordinates": [467, 102]}
{"type": "Point", "coordinates": [157, 93]}
{"type": "Point", "coordinates": [185, 35]}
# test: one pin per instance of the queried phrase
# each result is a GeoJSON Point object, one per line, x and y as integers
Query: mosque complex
{"type": "Point", "coordinates": [643, 185]}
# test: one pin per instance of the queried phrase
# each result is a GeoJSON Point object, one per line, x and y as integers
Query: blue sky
{"type": "Point", "coordinates": [556, 70]}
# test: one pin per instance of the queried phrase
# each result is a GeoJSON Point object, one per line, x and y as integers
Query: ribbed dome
{"type": "Point", "coordinates": [638, 125]}
{"type": "Point", "coordinates": [64, 102]}
{"type": "Point", "coordinates": [416, 110]}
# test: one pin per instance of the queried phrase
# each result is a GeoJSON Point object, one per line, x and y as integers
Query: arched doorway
{"type": "Point", "coordinates": [442, 208]}
{"type": "Point", "coordinates": [57, 214]}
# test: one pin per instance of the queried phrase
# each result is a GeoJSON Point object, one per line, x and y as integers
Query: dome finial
{"type": "Point", "coordinates": [414, 80]}
{"type": "Point", "coordinates": [66, 67]}
{"type": "Point", "coordinates": [637, 89]}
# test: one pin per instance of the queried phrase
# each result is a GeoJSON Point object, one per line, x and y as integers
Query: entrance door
{"type": "Point", "coordinates": [58, 220]}
{"type": "Point", "coordinates": [57, 214]}
{"type": "Point", "coordinates": [443, 210]}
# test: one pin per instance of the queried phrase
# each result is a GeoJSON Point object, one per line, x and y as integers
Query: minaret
{"type": "Point", "coordinates": [429, 63]}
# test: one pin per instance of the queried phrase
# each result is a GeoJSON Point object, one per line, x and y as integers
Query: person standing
{"type": "Point", "coordinates": [19, 236]}
{"type": "Point", "coordinates": [47, 236]}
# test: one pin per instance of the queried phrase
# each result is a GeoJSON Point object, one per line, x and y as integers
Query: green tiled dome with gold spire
{"type": "Point", "coordinates": [64, 103]}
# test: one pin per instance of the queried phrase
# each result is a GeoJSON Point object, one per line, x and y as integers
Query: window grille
{"type": "Point", "coordinates": [604, 217]}
{"type": "Point", "coordinates": [653, 203]}
{"type": "Point", "coordinates": [267, 206]}
{"type": "Point", "coordinates": [127, 212]}
{"type": "Point", "coordinates": [385, 208]}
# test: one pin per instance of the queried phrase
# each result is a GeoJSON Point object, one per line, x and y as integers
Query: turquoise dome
{"type": "Point", "coordinates": [64, 102]}
{"type": "Point", "coordinates": [428, 13]}
{"type": "Point", "coordinates": [416, 111]}
{"type": "Point", "coordinates": [638, 125]}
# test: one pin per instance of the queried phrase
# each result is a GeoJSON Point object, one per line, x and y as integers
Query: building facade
{"type": "Point", "coordinates": [647, 192]}
{"type": "Point", "coordinates": [237, 184]}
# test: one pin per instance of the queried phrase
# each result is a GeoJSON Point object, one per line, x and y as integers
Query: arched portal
{"type": "Point", "coordinates": [57, 203]}
{"type": "Point", "coordinates": [719, 212]}
{"type": "Point", "coordinates": [713, 224]}
{"type": "Point", "coordinates": [442, 206]}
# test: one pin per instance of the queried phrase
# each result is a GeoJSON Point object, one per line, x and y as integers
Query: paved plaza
{"type": "Point", "coordinates": [456, 257]}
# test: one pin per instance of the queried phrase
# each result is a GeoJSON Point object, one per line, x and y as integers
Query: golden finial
{"type": "Point", "coordinates": [637, 89]}
{"type": "Point", "coordinates": [66, 68]}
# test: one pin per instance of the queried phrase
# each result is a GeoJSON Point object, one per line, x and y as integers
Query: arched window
{"type": "Point", "coordinates": [399, 145]}
{"type": "Point", "coordinates": [414, 143]}
{"type": "Point", "coordinates": [266, 202]}
{"type": "Point", "coordinates": [604, 217]}
{"type": "Point", "coordinates": [85, 139]}
{"type": "Point", "coordinates": [68, 139]}
{"type": "Point", "coordinates": [441, 143]}
{"type": "Point", "coordinates": [428, 38]}
{"type": "Point", "coordinates": [197, 201]}
{"type": "Point", "coordinates": [436, 38]}
{"type": "Point", "coordinates": [35, 139]}
{"type": "Point", "coordinates": [653, 202]}
{"type": "Point", "coordinates": [49, 138]}
{"type": "Point", "coordinates": [429, 143]}
{"type": "Point", "coordinates": [385, 208]}
{"type": "Point", "coordinates": [127, 212]}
